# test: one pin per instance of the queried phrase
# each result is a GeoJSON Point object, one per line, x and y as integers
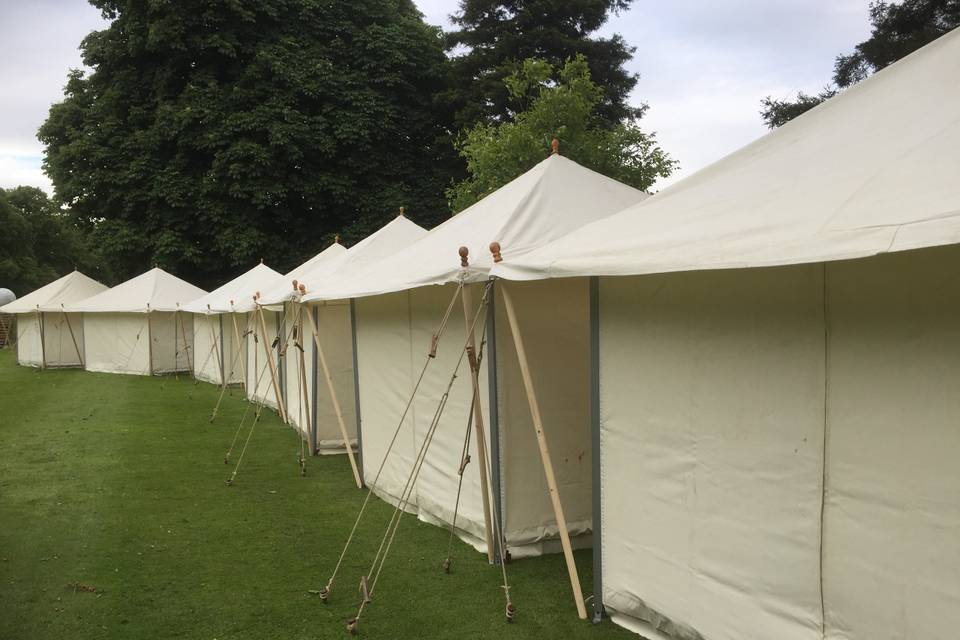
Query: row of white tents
{"type": "Point", "coordinates": [743, 391]}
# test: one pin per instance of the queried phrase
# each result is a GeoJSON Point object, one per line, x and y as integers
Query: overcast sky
{"type": "Point", "coordinates": [704, 67]}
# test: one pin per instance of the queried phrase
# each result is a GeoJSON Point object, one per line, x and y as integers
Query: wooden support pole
{"type": "Point", "coordinates": [304, 391]}
{"type": "Point", "coordinates": [544, 453]}
{"type": "Point", "coordinates": [72, 336]}
{"type": "Point", "coordinates": [271, 365]}
{"type": "Point", "coordinates": [336, 404]}
{"type": "Point", "coordinates": [43, 339]}
{"type": "Point", "coordinates": [216, 347]}
{"type": "Point", "coordinates": [468, 313]}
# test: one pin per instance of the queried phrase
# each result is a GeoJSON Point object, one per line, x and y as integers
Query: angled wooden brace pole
{"type": "Point", "coordinates": [336, 403]}
{"type": "Point", "coordinates": [271, 365]}
{"type": "Point", "coordinates": [72, 336]}
{"type": "Point", "coordinates": [216, 349]}
{"type": "Point", "coordinates": [542, 443]}
{"type": "Point", "coordinates": [468, 313]}
{"type": "Point", "coordinates": [183, 334]}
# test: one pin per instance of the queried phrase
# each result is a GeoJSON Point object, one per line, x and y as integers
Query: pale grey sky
{"type": "Point", "coordinates": [704, 66]}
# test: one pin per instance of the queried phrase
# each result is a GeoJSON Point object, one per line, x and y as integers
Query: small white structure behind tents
{"type": "Point", "coordinates": [47, 335]}
{"type": "Point", "coordinates": [137, 327]}
{"type": "Point", "coordinates": [334, 321]}
{"type": "Point", "coordinates": [778, 351]}
{"type": "Point", "coordinates": [399, 303]}
{"type": "Point", "coordinates": [219, 332]}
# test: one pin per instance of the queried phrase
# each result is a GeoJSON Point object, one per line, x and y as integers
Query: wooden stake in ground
{"type": "Point", "coordinates": [336, 402]}
{"type": "Point", "coordinates": [477, 410]}
{"type": "Point", "coordinates": [271, 365]}
{"type": "Point", "coordinates": [544, 453]}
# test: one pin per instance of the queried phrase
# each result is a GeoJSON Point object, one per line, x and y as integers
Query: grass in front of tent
{"type": "Point", "coordinates": [116, 483]}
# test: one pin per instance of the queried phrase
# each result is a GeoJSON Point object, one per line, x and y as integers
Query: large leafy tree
{"type": "Point", "coordinates": [493, 37]}
{"type": "Point", "coordinates": [898, 29]}
{"type": "Point", "coordinates": [567, 109]}
{"type": "Point", "coordinates": [211, 133]}
{"type": "Point", "coordinates": [39, 243]}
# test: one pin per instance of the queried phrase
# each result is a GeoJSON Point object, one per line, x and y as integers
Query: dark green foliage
{"type": "Point", "coordinates": [38, 243]}
{"type": "Point", "coordinates": [494, 37]}
{"type": "Point", "coordinates": [567, 110]}
{"type": "Point", "coordinates": [211, 133]}
{"type": "Point", "coordinates": [898, 30]}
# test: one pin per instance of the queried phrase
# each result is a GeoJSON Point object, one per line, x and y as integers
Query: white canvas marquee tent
{"type": "Point", "coordinates": [778, 345]}
{"type": "Point", "coordinates": [48, 336]}
{"type": "Point", "coordinates": [334, 321]}
{"type": "Point", "coordinates": [219, 332]}
{"type": "Point", "coordinates": [137, 327]}
{"type": "Point", "coordinates": [399, 303]}
{"type": "Point", "coordinates": [265, 382]}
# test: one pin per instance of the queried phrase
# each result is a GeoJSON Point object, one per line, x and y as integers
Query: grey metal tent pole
{"type": "Point", "coordinates": [313, 387]}
{"type": "Point", "coordinates": [494, 416]}
{"type": "Point", "coordinates": [356, 387]}
{"type": "Point", "coordinates": [595, 458]}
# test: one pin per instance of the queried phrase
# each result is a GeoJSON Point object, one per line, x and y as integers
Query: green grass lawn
{"type": "Point", "coordinates": [117, 482]}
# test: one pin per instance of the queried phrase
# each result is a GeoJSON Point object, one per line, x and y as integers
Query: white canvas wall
{"type": "Point", "coordinates": [206, 339]}
{"type": "Point", "coordinates": [292, 378]}
{"type": "Point", "coordinates": [712, 407]}
{"type": "Point", "coordinates": [554, 318]}
{"type": "Point", "coordinates": [333, 320]}
{"type": "Point", "coordinates": [172, 339]}
{"type": "Point", "coordinates": [259, 386]}
{"type": "Point", "coordinates": [117, 343]}
{"type": "Point", "coordinates": [29, 344]}
{"type": "Point", "coordinates": [394, 333]}
{"type": "Point", "coordinates": [892, 514]}
{"type": "Point", "coordinates": [60, 349]}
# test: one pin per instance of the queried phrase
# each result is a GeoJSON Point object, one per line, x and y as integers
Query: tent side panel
{"type": "Point", "coordinates": [335, 336]}
{"type": "Point", "coordinates": [260, 388]}
{"type": "Point", "coordinates": [29, 349]}
{"type": "Point", "coordinates": [205, 363]}
{"type": "Point", "coordinates": [437, 486]}
{"type": "Point", "coordinates": [117, 343]}
{"type": "Point", "coordinates": [892, 515]}
{"type": "Point", "coordinates": [59, 349]}
{"type": "Point", "coordinates": [712, 414]}
{"type": "Point", "coordinates": [554, 320]}
{"type": "Point", "coordinates": [386, 381]}
{"type": "Point", "coordinates": [233, 360]}
{"type": "Point", "coordinates": [169, 352]}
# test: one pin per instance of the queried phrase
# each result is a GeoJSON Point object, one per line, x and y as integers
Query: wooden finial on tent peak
{"type": "Point", "coordinates": [231, 302]}
{"type": "Point", "coordinates": [295, 283]}
{"type": "Point", "coordinates": [554, 146]}
{"type": "Point", "coordinates": [302, 289]}
{"type": "Point", "coordinates": [464, 252]}
{"type": "Point", "coordinates": [403, 211]}
{"type": "Point", "coordinates": [336, 239]}
{"type": "Point", "coordinates": [208, 307]}
{"type": "Point", "coordinates": [261, 260]}
{"type": "Point", "coordinates": [495, 250]}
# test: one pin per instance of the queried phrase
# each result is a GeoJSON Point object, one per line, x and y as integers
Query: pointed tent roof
{"type": "Point", "coordinates": [64, 291]}
{"type": "Point", "coordinates": [223, 298]}
{"type": "Point", "coordinates": [396, 235]}
{"type": "Point", "coordinates": [155, 290]}
{"type": "Point", "coordinates": [871, 171]}
{"type": "Point", "coordinates": [281, 288]}
{"type": "Point", "coordinates": [549, 200]}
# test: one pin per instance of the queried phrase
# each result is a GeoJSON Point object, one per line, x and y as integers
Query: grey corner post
{"type": "Point", "coordinates": [494, 417]}
{"type": "Point", "coordinates": [356, 387]}
{"type": "Point", "coordinates": [595, 457]}
{"type": "Point", "coordinates": [313, 387]}
{"type": "Point", "coordinates": [223, 368]}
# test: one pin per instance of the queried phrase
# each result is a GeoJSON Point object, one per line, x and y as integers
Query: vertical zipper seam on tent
{"type": "Point", "coordinates": [823, 452]}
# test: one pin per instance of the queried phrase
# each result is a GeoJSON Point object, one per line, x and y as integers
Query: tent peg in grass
{"type": "Point", "coordinates": [324, 595]}
{"type": "Point", "coordinates": [352, 626]}
{"type": "Point", "coordinates": [510, 611]}
{"type": "Point", "coordinates": [446, 564]}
